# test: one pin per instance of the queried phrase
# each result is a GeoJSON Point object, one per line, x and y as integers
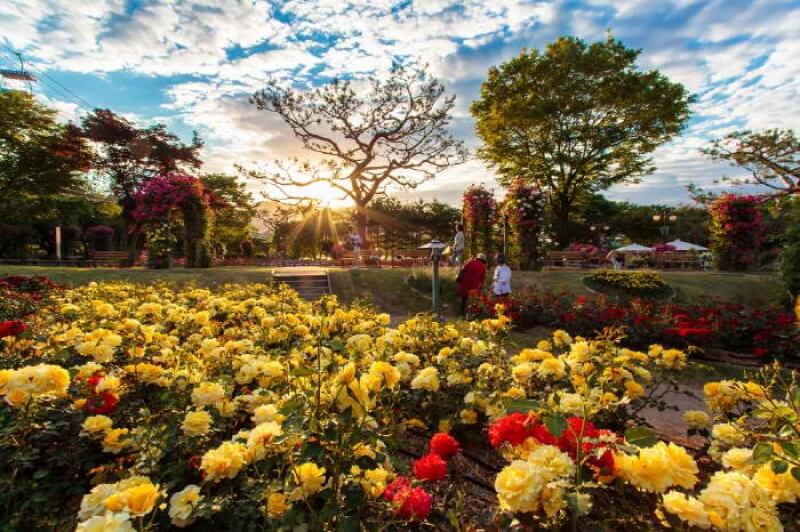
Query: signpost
{"type": "Point", "coordinates": [436, 248]}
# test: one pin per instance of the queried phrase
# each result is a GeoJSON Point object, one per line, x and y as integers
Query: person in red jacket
{"type": "Point", "coordinates": [471, 278]}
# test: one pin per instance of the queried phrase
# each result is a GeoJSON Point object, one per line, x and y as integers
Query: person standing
{"type": "Point", "coordinates": [355, 242]}
{"type": "Point", "coordinates": [470, 279]}
{"type": "Point", "coordinates": [502, 277]}
{"type": "Point", "coordinates": [459, 243]}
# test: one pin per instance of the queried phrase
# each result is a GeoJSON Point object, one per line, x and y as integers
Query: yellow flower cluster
{"type": "Point", "coordinates": [31, 382]}
{"type": "Point", "coordinates": [731, 501]}
{"type": "Point", "coordinates": [540, 481]}
{"type": "Point", "coordinates": [116, 503]}
{"type": "Point", "coordinates": [658, 467]}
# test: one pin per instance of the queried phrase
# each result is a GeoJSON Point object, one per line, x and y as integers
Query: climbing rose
{"type": "Point", "coordinates": [430, 467]}
{"type": "Point", "coordinates": [444, 445]}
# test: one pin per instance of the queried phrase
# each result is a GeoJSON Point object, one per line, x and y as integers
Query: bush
{"type": "Point", "coordinates": [790, 258]}
{"type": "Point", "coordinates": [246, 408]}
{"type": "Point", "coordinates": [632, 284]}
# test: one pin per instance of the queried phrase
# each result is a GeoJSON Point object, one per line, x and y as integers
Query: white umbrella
{"type": "Point", "coordinates": [633, 248]}
{"type": "Point", "coordinates": [680, 245]}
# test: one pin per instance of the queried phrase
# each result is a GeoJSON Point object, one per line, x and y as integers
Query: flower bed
{"type": "Point", "coordinates": [631, 284]}
{"type": "Point", "coordinates": [21, 295]}
{"type": "Point", "coordinates": [764, 332]}
{"type": "Point", "coordinates": [246, 407]}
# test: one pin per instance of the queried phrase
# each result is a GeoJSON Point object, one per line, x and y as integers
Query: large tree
{"type": "Point", "coordinates": [232, 219]}
{"type": "Point", "coordinates": [364, 137]}
{"type": "Point", "coordinates": [128, 156]}
{"type": "Point", "coordinates": [576, 118]}
{"type": "Point", "coordinates": [772, 157]}
{"type": "Point", "coordinates": [39, 158]}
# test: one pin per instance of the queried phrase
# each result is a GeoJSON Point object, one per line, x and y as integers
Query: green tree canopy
{"type": "Point", "coordinates": [576, 118]}
{"type": "Point", "coordinates": [232, 220]}
{"type": "Point", "coordinates": [38, 156]}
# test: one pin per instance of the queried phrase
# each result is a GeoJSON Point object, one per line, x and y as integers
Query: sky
{"type": "Point", "coordinates": [193, 64]}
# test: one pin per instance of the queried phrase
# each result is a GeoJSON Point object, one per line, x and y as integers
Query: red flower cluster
{"type": "Point", "coordinates": [580, 435]}
{"type": "Point", "coordinates": [445, 445]}
{"type": "Point", "coordinates": [12, 328]}
{"type": "Point", "coordinates": [412, 503]}
{"type": "Point", "coordinates": [99, 403]}
{"type": "Point", "coordinates": [430, 467]}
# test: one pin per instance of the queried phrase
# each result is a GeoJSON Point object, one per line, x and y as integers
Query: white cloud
{"type": "Point", "coordinates": [738, 56]}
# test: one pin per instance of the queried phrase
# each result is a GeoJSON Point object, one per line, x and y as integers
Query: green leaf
{"type": "Point", "coordinates": [556, 424]}
{"type": "Point", "coordinates": [522, 405]}
{"type": "Point", "coordinates": [779, 467]}
{"type": "Point", "coordinates": [791, 448]}
{"type": "Point", "coordinates": [762, 452]}
{"type": "Point", "coordinates": [348, 524]}
{"type": "Point", "coordinates": [641, 437]}
{"type": "Point", "coordinates": [796, 473]}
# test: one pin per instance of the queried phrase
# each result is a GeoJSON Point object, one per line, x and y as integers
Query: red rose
{"type": "Point", "coordinates": [94, 380]}
{"type": "Point", "coordinates": [444, 445]}
{"type": "Point", "coordinates": [417, 504]}
{"type": "Point", "coordinates": [430, 467]}
{"type": "Point", "coordinates": [514, 428]}
{"type": "Point", "coordinates": [101, 403]}
{"type": "Point", "coordinates": [397, 489]}
{"type": "Point", "coordinates": [12, 328]}
{"type": "Point", "coordinates": [543, 435]}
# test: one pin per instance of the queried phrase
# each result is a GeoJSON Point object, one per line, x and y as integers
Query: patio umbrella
{"type": "Point", "coordinates": [680, 245]}
{"type": "Point", "coordinates": [633, 248]}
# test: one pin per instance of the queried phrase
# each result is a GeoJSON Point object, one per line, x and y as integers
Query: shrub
{"type": "Point", "coordinates": [638, 284]}
{"type": "Point", "coordinates": [736, 231]}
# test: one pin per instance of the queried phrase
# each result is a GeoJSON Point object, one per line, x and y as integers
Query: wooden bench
{"type": "Point", "coordinates": [680, 259]}
{"type": "Point", "coordinates": [565, 258]}
{"type": "Point", "coordinates": [367, 257]}
{"type": "Point", "coordinates": [111, 258]}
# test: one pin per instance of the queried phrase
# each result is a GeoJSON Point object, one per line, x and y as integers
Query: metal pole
{"type": "Point", "coordinates": [58, 243]}
{"type": "Point", "coordinates": [436, 299]}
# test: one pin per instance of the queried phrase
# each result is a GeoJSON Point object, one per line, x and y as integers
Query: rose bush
{"type": "Point", "coordinates": [245, 407]}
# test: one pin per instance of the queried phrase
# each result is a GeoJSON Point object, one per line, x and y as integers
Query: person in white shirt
{"type": "Point", "coordinates": [355, 242]}
{"type": "Point", "coordinates": [502, 277]}
{"type": "Point", "coordinates": [458, 246]}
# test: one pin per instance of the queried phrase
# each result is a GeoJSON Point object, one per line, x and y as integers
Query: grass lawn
{"type": "Point", "coordinates": [202, 277]}
{"type": "Point", "coordinates": [388, 288]}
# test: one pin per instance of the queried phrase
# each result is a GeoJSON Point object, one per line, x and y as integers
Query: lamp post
{"type": "Point", "coordinates": [436, 248]}
{"type": "Point", "coordinates": [667, 219]}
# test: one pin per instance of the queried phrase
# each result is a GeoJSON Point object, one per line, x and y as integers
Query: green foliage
{"type": "Point", "coordinates": [576, 118]}
{"type": "Point", "coordinates": [232, 221]}
{"type": "Point", "coordinates": [790, 260]}
{"type": "Point", "coordinates": [634, 284]}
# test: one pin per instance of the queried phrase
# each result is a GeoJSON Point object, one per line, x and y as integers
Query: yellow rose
{"type": "Point", "coordinates": [183, 503]}
{"type": "Point", "coordinates": [277, 504]}
{"type": "Point", "coordinates": [687, 508]}
{"type": "Point", "coordinates": [96, 426]}
{"type": "Point", "coordinates": [207, 393]}
{"type": "Point", "coordinates": [696, 419]}
{"type": "Point", "coordinates": [518, 486]}
{"type": "Point", "coordinates": [116, 440]}
{"type": "Point", "coordinates": [426, 379]}
{"type": "Point", "coordinates": [468, 416]}
{"type": "Point", "coordinates": [196, 423]}
{"type": "Point", "coordinates": [223, 462]}
{"type": "Point", "coordinates": [309, 477]}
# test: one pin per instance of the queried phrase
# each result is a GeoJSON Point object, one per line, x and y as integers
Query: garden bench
{"type": "Point", "coordinates": [681, 259]}
{"type": "Point", "coordinates": [565, 258]}
{"type": "Point", "coordinates": [110, 258]}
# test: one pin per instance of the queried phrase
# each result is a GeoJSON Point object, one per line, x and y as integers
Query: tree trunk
{"type": "Point", "coordinates": [563, 227]}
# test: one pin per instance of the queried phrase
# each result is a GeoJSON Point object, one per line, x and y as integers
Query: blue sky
{"type": "Point", "coordinates": [193, 64]}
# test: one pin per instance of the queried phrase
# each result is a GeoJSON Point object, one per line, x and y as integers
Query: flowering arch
{"type": "Point", "coordinates": [523, 208]}
{"type": "Point", "coordinates": [736, 231]}
{"type": "Point", "coordinates": [479, 214]}
{"type": "Point", "coordinates": [162, 199]}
